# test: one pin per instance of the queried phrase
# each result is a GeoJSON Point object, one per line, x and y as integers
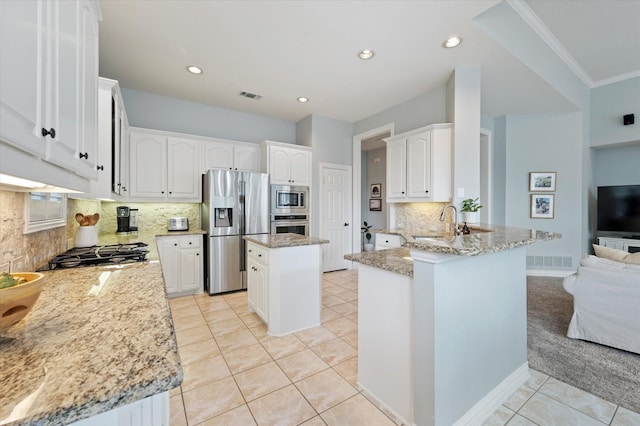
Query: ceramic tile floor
{"type": "Point", "coordinates": [235, 374]}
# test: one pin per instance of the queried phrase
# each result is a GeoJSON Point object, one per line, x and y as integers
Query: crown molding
{"type": "Point", "coordinates": [529, 16]}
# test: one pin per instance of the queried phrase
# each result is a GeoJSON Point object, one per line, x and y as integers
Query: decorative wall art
{"type": "Point", "coordinates": [376, 190]}
{"type": "Point", "coordinates": [375, 205]}
{"type": "Point", "coordinates": [542, 181]}
{"type": "Point", "coordinates": [542, 206]}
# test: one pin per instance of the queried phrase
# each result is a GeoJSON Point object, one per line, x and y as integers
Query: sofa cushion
{"type": "Point", "coordinates": [617, 255]}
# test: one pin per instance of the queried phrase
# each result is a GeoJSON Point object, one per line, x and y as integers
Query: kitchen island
{"type": "Point", "coordinates": [285, 281]}
{"type": "Point", "coordinates": [442, 323]}
{"type": "Point", "coordinates": [98, 344]}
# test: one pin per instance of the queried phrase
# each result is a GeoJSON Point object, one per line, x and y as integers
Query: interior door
{"type": "Point", "coordinates": [336, 210]}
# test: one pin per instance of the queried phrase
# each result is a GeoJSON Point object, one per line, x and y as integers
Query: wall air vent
{"type": "Point", "coordinates": [250, 95]}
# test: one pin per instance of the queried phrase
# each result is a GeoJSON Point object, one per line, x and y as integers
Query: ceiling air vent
{"type": "Point", "coordinates": [250, 95]}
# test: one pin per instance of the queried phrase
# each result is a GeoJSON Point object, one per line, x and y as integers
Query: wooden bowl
{"type": "Point", "coordinates": [17, 301]}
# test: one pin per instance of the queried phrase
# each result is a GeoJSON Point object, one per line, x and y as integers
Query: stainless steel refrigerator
{"type": "Point", "coordinates": [234, 204]}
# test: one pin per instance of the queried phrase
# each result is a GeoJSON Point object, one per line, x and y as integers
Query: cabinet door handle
{"type": "Point", "coordinates": [175, 244]}
{"type": "Point", "coordinates": [85, 155]}
{"type": "Point", "coordinates": [99, 167]}
{"type": "Point", "coordinates": [51, 132]}
{"type": "Point", "coordinates": [190, 243]}
{"type": "Point", "coordinates": [124, 188]}
{"type": "Point", "coordinates": [346, 224]}
{"type": "Point", "coordinates": [170, 192]}
{"type": "Point", "coordinates": [259, 255]}
{"type": "Point", "coordinates": [427, 191]}
{"type": "Point", "coordinates": [403, 192]}
{"type": "Point", "coordinates": [197, 254]}
{"type": "Point", "coordinates": [162, 192]}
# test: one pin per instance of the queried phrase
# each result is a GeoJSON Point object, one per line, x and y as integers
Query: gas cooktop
{"type": "Point", "coordinates": [86, 256]}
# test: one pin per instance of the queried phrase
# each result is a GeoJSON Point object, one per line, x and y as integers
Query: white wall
{"type": "Point", "coordinates": [152, 111]}
{"type": "Point", "coordinates": [463, 99]}
{"type": "Point", "coordinates": [617, 166]}
{"type": "Point", "coordinates": [547, 143]}
{"type": "Point", "coordinates": [608, 105]}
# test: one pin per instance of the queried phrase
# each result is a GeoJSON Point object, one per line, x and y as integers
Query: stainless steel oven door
{"type": "Point", "coordinates": [300, 227]}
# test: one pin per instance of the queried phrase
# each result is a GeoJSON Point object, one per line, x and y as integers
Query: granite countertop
{"type": "Point", "coordinates": [396, 260]}
{"type": "Point", "coordinates": [283, 240]}
{"type": "Point", "coordinates": [483, 239]}
{"type": "Point", "coordinates": [98, 337]}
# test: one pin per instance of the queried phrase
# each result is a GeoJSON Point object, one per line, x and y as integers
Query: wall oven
{"type": "Point", "coordinates": [295, 224]}
{"type": "Point", "coordinates": [289, 200]}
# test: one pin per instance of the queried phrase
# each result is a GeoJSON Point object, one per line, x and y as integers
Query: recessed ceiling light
{"type": "Point", "coordinates": [452, 42]}
{"type": "Point", "coordinates": [194, 70]}
{"type": "Point", "coordinates": [302, 99]}
{"type": "Point", "coordinates": [366, 54]}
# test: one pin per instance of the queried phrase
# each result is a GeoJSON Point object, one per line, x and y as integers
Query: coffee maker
{"type": "Point", "coordinates": [123, 214]}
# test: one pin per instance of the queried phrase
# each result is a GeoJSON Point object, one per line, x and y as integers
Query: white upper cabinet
{"type": "Point", "coordinates": [231, 155]}
{"type": "Point", "coordinates": [287, 165]}
{"type": "Point", "coordinates": [48, 80]}
{"type": "Point", "coordinates": [183, 178]}
{"type": "Point", "coordinates": [419, 165]}
{"type": "Point", "coordinates": [163, 168]}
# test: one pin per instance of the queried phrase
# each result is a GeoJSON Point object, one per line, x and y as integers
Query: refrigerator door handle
{"type": "Point", "coordinates": [243, 262]}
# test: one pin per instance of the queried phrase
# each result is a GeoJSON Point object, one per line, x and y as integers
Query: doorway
{"type": "Point", "coordinates": [358, 195]}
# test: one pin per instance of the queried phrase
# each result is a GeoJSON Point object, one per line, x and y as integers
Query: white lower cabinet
{"type": "Point", "coordinates": [257, 280]}
{"type": "Point", "coordinates": [150, 411]}
{"type": "Point", "coordinates": [182, 263]}
{"type": "Point", "coordinates": [284, 286]}
{"type": "Point", "coordinates": [387, 241]}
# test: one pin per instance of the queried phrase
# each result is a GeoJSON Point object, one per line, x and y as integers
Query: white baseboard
{"type": "Point", "coordinates": [397, 418]}
{"type": "Point", "coordinates": [484, 408]}
{"type": "Point", "coordinates": [560, 273]}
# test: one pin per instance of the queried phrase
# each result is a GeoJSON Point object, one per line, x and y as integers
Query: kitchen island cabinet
{"type": "Point", "coordinates": [98, 347]}
{"type": "Point", "coordinates": [442, 337]}
{"type": "Point", "coordinates": [284, 281]}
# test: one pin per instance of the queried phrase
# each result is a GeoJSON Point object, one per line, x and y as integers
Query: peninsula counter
{"type": "Point", "coordinates": [442, 335]}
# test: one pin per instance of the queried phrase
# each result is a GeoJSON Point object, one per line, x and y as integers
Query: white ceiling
{"type": "Point", "coordinates": [285, 49]}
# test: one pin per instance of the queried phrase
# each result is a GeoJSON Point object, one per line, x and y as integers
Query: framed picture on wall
{"type": "Point", "coordinates": [542, 206]}
{"type": "Point", "coordinates": [542, 181]}
{"type": "Point", "coordinates": [375, 205]}
{"type": "Point", "coordinates": [376, 190]}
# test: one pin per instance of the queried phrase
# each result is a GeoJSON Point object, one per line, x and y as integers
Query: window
{"type": "Point", "coordinates": [45, 210]}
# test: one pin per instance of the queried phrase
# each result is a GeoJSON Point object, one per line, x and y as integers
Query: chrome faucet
{"type": "Point", "coordinates": [455, 217]}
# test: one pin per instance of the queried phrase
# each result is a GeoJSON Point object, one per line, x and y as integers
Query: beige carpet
{"type": "Point", "coordinates": [609, 373]}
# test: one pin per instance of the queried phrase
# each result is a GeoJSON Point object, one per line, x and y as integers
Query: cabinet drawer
{"type": "Point", "coordinates": [388, 241]}
{"type": "Point", "coordinates": [190, 241]}
{"type": "Point", "coordinates": [257, 253]}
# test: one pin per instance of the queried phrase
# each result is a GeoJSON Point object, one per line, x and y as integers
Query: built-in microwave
{"type": "Point", "coordinates": [286, 199]}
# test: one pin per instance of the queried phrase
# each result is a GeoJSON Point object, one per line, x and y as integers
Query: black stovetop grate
{"type": "Point", "coordinates": [85, 256]}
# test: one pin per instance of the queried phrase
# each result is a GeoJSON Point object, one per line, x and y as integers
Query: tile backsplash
{"type": "Point", "coordinates": [25, 252]}
{"type": "Point", "coordinates": [419, 215]}
{"type": "Point", "coordinates": [28, 252]}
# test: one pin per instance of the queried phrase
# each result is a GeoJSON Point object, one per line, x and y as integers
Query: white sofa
{"type": "Point", "coordinates": [606, 303]}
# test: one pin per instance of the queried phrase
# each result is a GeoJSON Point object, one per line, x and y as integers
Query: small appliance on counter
{"type": "Point", "coordinates": [178, 224]}
{"type": "Point", "coordinates": [123, 215]}
{"type": "Point", "coordinates": [133, 220]}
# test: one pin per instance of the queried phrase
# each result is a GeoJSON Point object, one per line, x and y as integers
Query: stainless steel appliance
{"type": "Point", "coordinates": [133, 220]}
{"type": "Point", "coordinates": [234, 204]}
{"type": "Point", "coordinates": [122, 215]}
{"type": "Point", "coordinates": [294, 223]}
{"type": "Point", "coordinates": [286, 199]}
{"type": "Point", "coordinates": [178, 224]}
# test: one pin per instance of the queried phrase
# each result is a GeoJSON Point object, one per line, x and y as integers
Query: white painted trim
{"type": "Point", "coordinates": [484, 408]}
{"type": "Point", "coordinates": [558, 273]}
{"type": "Point", "coordinates": [397, 418]}
{"type": "Point", "coordinates": [536, 24]}
{"type": "Point", "coordinates": [616, 79]}
{"type": "Point", "coordinates": [488, 205]}
{"type": "Point", "coordinates": [356, 180]}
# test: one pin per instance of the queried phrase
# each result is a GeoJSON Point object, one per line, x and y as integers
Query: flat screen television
{"type": "Point", "coordinates": [619, 210]}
